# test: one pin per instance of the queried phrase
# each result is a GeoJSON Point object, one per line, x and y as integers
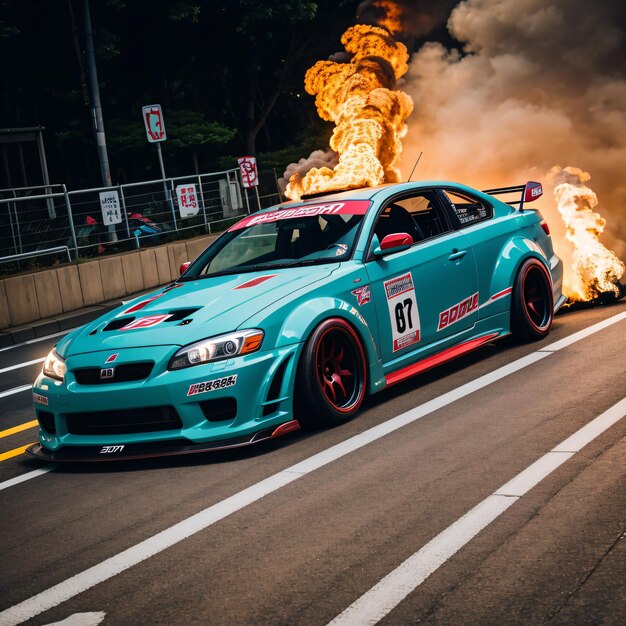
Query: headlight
{"type": "Point", "coordinates": [54, 366]}
{"type": "Point", "coordinates": [217, 348]}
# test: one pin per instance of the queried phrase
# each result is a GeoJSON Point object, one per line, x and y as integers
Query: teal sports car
{"type": "Point", "coordinates": [296, 313]}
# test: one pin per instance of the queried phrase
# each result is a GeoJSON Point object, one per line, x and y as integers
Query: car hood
{"type": "Point", "coordinates": [214, 305]}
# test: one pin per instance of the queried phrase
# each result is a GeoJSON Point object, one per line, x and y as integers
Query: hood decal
{"type": "Point", "coordinates": [255, 281]}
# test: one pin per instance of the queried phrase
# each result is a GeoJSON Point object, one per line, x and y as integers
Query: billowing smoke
{"type": "Point", "coordinates": [537, 84]}
{"type": "Point", "coordinates": [317, 158]}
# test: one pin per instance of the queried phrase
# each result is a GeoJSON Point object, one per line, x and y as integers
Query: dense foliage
{"type": "Point", "coordinates": [227, 74]}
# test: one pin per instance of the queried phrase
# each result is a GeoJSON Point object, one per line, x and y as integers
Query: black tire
{"type": "Point", "coordinates": [332, 376]}
{"type": "Point", "coordinates": [532, 309]}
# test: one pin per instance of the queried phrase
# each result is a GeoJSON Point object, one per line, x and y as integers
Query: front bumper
{"type": "Point", "coordinates": [73, 416]}
{"type": "Point", "coordinates": [80, 454]}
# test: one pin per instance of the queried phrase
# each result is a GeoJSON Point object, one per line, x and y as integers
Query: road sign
{"type": "Point", "coordinates": [154, 123]}
{"type": "Point", "coordinates": [187, 200]}
{"type": "Point", "coordinates": [110, 205]}
{"type": "Point", "coordinates": [249, 175]}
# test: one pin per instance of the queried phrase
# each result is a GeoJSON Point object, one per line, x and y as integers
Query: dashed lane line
{"type": "Point", "coordinates": [28, 476]}
{"type": "Point", "coordinates": [10, 392]}
{"type": "Point", "coordinates": [18, 429]}
{"type": "Point", "coordinates": [19, 365]}
{"type": "Point", "coordinates": [189, 526]}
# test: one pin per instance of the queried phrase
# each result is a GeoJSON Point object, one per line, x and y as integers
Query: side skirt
{"type": "Point", "coordinates": [437, 359]}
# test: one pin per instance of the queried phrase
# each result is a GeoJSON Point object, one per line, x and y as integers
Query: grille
{"type": "Point", "coordinates": [123, 422]}
{"type": "Point", "coordinates": [220, 409]}
{"type": "Point", "coordinates": [46, 421]}
{"type": "Point", "coordinates": [123, 374]}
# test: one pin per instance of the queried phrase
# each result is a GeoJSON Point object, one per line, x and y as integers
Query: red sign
{"type": "Point", "coordinates": [348, 207]}
{"type": "Point", "coordinates": [247, 167]}
{"type": "Point", "coordinates": [153, 121]}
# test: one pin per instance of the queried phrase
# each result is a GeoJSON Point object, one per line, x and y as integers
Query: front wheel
{"type": "Point", "coordinates": [532, 306]}
{"type": "Point", "coordinates": [332, 375]}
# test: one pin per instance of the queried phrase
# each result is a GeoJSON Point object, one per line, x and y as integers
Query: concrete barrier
{"type": "Point", "coordinates": [133, 272]}
{"type": "Point", "coordinates": [22, 299]}
{"type": "Point", "coordinates": [53, 292]}
{"type": "Point", "coordinates": [48, 293]}
{"type": "Point", "coordinates": [69, 288]}
{"type": "Point", "coordinates": [91, 282]}
{"type": "Point", "coordinates": [5, 318]}
{"type": "Point", "coordinates": [112, 275]}
{"type": "Point", "coordinates": [149, 269]}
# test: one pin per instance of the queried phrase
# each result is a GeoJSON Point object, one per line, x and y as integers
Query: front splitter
{"type": "Point", "coordinates": [123, 452]}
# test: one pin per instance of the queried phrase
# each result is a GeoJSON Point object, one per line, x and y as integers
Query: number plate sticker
{"type": "Point", "coordinates": [403, 313]}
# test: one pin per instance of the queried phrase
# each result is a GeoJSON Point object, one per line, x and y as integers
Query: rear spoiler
{"type": "Point", "coordinates": [529, 192]}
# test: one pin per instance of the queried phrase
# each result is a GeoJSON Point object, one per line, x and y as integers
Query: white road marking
{"type": "Point", "coordinates": [25, 364]}
{"type": "Point", "coordinates": [10, 392]}
{"type": "Point", "coordinates": [126, 559]}
{"type": "Point", "coordinates": [81, 619]}
{"type": "Point", "coordinates": [38, 339]}
{"type": "Point", "coordinates": [376, 603]}
{"type": "Point", "coordinates": [24, 477]}
{"type": "Point", "coordinates": [581, 334]}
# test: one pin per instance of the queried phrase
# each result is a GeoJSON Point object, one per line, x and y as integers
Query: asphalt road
{"type": "Point", "coordinates": [415, 516]}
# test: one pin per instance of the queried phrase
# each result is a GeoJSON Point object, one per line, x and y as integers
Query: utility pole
{"type": "Point", "coordinates": [96, 107]}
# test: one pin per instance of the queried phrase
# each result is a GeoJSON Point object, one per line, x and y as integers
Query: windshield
{"type": "Point", "coordinates": [284, 238]}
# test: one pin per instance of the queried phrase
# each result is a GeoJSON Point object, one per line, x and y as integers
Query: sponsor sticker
{"type": "Point", "coordinates": [145, 322]}
{"type": "Point", "coordinates": [39, 399]}
{"type": "Point", "coordinates": [111, 449]}
{"type": "Point", "coordinates": [403, 313]}
{"type": "Point", "coordinates": [457, 312]}
{"type": "Point", "coordinates": [342, 248]}
{"type": "Point", "coordinates": [350, 207]}
{"type": "Point", "coordinates": [362, 294]}
{"type": "Point", "coordinates": [212, 385]}
{"type": "Point", "coordinates": [112, 358]}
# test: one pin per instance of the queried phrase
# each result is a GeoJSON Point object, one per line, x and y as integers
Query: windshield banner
{"type": "Point", "coordinates": [348, 207]}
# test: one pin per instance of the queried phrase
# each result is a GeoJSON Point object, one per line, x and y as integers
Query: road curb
{"type": "Point", "coordinates": [64, 321]}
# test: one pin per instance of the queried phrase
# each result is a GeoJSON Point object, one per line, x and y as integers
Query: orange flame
{"type": "Point", "coordinates": [595, 269]}
{"type": "Point", "coordinates": [392, 20]}
{"type": "Point", "coordinates": [369, 113]}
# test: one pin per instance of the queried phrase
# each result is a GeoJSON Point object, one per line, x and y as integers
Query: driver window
{"type": "Point", "coordinates": [416, 215]}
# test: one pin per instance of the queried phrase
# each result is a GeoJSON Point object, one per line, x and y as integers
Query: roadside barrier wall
{"type": "Point", "coordinates": [47, 293]}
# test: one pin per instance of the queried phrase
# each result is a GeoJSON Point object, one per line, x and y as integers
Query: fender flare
{"type": "Point", "coordinates": [300, 322]}
{"type": "Point", "coordinates": [515, 252]}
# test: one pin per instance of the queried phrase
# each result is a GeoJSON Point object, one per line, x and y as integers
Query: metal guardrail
{"type": "Point", "coordinates": [35, 224]}
{"type": "Point", "coordinates": [26, 255]}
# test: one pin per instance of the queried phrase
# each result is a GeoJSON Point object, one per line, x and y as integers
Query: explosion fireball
{"type": "Point", "coordinates": [596, 269]}
{"type": "Point", "coordinates": [484, 111]}
{"type": "Point", "coordinates": [369, 113]}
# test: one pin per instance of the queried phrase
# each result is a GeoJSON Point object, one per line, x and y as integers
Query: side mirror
{"type": "Point", "coordinates": [184, 266]}
{"type": "Point", "coordinates": [395, 242]}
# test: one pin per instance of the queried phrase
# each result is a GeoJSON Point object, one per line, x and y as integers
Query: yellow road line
{"type": "Point", "coordinates": [17, 429]}
{"type": "Point", "coordinates": [16, 452]}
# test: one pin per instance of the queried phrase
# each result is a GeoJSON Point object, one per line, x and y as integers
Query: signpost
{"type": "Point", "coordinates": [155, 133]}
{"type": "Point", "coordinates": [249, 175]}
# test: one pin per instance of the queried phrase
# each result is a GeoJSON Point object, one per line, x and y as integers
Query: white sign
{"type": "Point", "coordinates": [110, 205]}
{"type": "Point", "coordinates": [403, 313]}
{"type": "Point", "coordinates": [187, 200]}
{"type": "Point", "coordinates": [154, 123]}
{"type": "Point", "coordinates": [247, 167]}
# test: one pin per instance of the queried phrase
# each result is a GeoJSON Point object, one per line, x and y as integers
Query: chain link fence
{"type": "Point", "coordinates": [41, 226]}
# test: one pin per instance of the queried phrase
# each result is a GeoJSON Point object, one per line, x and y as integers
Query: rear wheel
{"type": "Point", "coordinates": [332, 375]}
{"type": "Point", "coordinates": [532, 307]}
